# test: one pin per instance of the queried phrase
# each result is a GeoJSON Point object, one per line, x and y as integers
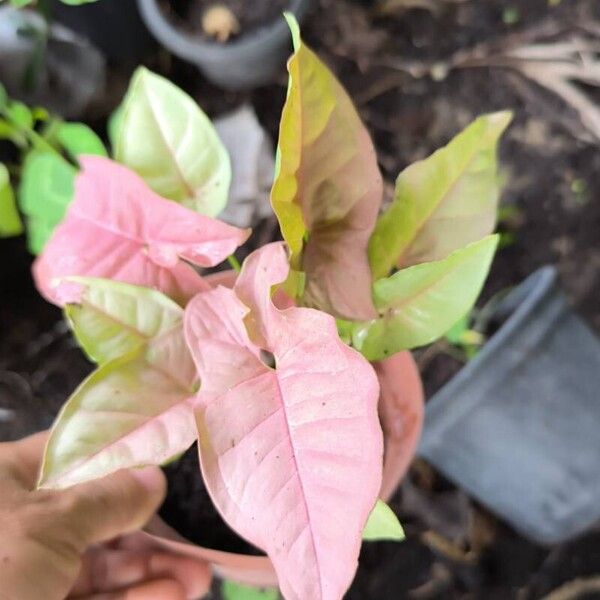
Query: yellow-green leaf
{"type": "Point", "coordinates": [129, 413]}
{"type": "Point", "coordinates": [10, 221]}
{"type": "Point", "coordinates": [327, 189]}
{"type": "Point", "coordinates": [110, 319]}
{"type": "Point", "coordinates": [383, 524]}
{"type": "Point", "coordinates": [136, 408]}
{"type": "Point", "coordinates": [421, 303]}
{"type": "Point", "coordinates": [164, 136]}
{"type": "Point", "coordinates": [444, 202]}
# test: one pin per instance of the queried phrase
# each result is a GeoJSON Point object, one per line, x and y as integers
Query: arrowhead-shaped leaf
{"type": "Point", "coordinates": [327, 188]}
{"type": "Point", "coordinates": [291, 455]}
{"type": "Point", "coordinates": [383, 524]}
{"type": "Point", "coordinates": [444, 202]}
{"type": "Point", "coordinates": [44, 194]}
{"type": "Point", "coordinates": [10, 221]}
{"type": "Point", "coordinates": [111, 319]}
{"type": "Point", "coordinates": [135, 409]}
{"type": "Point", "coordinates": [164, 136]}
{"type": "Point", "coordinates": [419, 304]}
{"type": "Point", "coordinates": [117, 228]}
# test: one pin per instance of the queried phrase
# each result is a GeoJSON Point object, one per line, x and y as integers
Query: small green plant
{"type": "Point", "coordinates": [48, 150]}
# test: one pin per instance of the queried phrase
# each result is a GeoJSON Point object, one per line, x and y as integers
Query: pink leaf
{"type": "Point", "coordinates": [401, 413]}
{"type": "Point", "coordinates": [291, 455]}
{"type": "Point", "coordinates": [117, 228]}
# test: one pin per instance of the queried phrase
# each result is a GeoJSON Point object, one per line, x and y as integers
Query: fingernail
{"type": "Point", "coordinates": [152, 478]}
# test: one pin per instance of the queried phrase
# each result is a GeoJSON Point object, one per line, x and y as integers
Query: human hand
{"type": "Point", "coordinates": [72, 543]}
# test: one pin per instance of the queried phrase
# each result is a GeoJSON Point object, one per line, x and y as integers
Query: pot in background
{"type": "Point", "coordinates": [70, 74]}
{"type": "Point", "coordinates": [517, 428]}
{"type": "Point", "coordinates": [254, 59]}
{"type": "Point", "coordinates": [113, 26]}
{"type": "Point", "coordinates": [401, 410]}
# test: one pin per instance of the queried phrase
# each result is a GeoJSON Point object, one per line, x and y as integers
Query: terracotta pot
{"type": "Point", "coordinates": [401, 410]}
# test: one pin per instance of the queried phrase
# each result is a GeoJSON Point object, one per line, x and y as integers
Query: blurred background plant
{"type": "Point", "coordinates": [42, 175]}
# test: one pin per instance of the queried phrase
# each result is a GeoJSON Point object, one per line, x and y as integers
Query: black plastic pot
{"type": "Point", "coordinates": [71, 71]}
{"type": "Point", "coordinates": [113, 26]}
{"type": "Point", "coordinates": [254, 59]}
{"type": "Point", "coordinates": [519, 427]}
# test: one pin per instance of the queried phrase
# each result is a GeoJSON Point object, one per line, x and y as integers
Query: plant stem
{"type": "Point", "coordinates": [35, 139]}
{"type": "Point", "coordinates": [235, 264]}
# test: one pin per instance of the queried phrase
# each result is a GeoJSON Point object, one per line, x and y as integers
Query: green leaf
{"type": "Point", "coordinates": [327, 188]}
{"type": "Point", "coordinates": [20, 115]}
{"type": "Point", "coordinates": [77, 139]}
{"type": "Point", "coordinates": [47, 187]}
{"type": "Point", "coordinates": [230, 590]}
{"type": "Point", "coordinates": [10, 221]}
{"type": "Point", "coordinates": [39, 113]}
{"type": "Point", "coordinates": [10, 132]}
{"type": "Point", "coordinates": [419, 304]}
{"type": "Point", "coordinates": [345, 329]}
{"type": "Point", "coordinates": [165, 137]}
{"type": "Point", "coordinates": [38, 233]}
{"type": "Point", "coordinates": [20, 3]}
{"type": "Point", "coordinates": [110, 319]}
{"type": "Point", "coordinates": [3, 96]}
{"type": "Point", "coordinates": [383, 524]}
{"type": "Point", "coordinates": [444, 202]}
{"type": "Point", "coordinates": [456, 333]}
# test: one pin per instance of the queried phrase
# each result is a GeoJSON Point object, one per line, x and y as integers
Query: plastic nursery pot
{"type": "Point", "coordinates": [68, 78]}
{"type": "Point", "coordinates": [517, 428]}
{"type": "Point", "coordinates": [113, 26]}
{"type": "Point", "coordinates": [255, 58]}
{"type": "Point", "coordinates": [401, 410]}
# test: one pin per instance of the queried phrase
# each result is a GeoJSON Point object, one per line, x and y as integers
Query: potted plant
{"type": "Point", "coordinates": [235, 51]}
{"type": "Point", "coordinates": [271, 372]}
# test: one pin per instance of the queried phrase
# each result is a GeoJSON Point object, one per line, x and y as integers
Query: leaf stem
{"type": "Point", "coordinates": [35, 139]}
{"type": "Point", "coordinates": [235, 263]}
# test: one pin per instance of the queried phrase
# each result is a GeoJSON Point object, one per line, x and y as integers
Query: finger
{"type": "Point", "coordinates": [23, 458]}
{"type": "Point", "coordinates": [105, 570]}
{"type": "Point", "coordinates": [102, 509]}
{"type": "Point", "coordinates": [193, 574]}
{"type": "Point", "coordinates": [162, 589]}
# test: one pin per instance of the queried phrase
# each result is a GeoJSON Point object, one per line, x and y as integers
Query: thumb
{"type": "Point", "coordinates": [102, 509]}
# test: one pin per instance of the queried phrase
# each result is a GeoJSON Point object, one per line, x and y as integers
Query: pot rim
{"type": "Point", "coordinates": [530, 309]}
{"type": "Point", "coordinates": [194, 48]}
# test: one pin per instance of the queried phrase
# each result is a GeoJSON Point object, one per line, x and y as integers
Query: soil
{"type": "Point", "coordinates": [454, 548]}
{"type": "Point", "coordinates": [189, 509]}
{"type": "Point", "coordinates": [250, 16]}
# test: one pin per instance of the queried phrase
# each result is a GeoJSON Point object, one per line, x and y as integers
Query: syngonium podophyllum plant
{"type": "Point", "coordinates": [291, 447]}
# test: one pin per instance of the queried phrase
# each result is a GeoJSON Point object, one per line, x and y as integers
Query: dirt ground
{"type": "Point", "coordinates": [417, 76]}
